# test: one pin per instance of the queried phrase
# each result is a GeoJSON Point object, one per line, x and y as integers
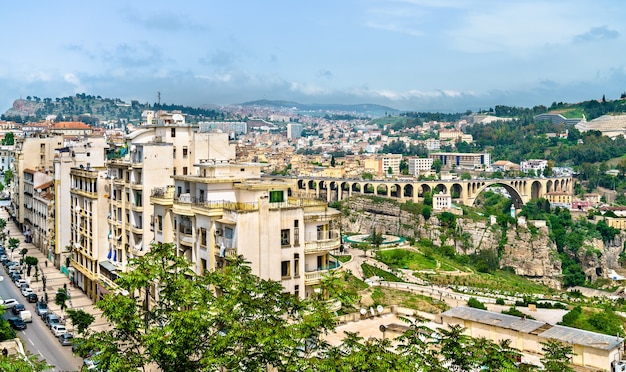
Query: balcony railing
{"type": "Point", "coordinates": [315, 276]}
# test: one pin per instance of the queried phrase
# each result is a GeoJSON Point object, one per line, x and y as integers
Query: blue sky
{"type": "Point", "coordinates": [419, 55]}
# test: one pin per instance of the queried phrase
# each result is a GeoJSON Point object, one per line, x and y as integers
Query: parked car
{"type": "Point", "coordinates": [89, 363]}
{"type": "Point", "coordinates": [15, 276]}
{"type": "Point", "coordinates": [19, 282]}
{"type": "Point", "coordinates": [26, 291]}
{"type": "Point", "coordinates": [9, 303]}
{"type": "Point", "coordinates": [17, 308]}
{"type": "Point", "coordinates": [66, 339]}
{"type": "Point", "coordinates": [52, 319]}
{"type": "Point", "coordinates": [41, 308]}
{"type": "Point", "coordinates": [32, 298]}
{"type": "Point", "coordinates": [58, 330]}
{"type": "Point", "coordinates": [17, 323]}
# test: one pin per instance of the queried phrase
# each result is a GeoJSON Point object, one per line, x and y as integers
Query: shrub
{"type": "Point", "coordinates": [473, 302]}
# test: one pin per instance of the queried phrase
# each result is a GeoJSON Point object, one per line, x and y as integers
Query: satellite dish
{"type": "Point", "coordinates": [363, 311]}
{"type": "Point", "coordinates": [380, 309]}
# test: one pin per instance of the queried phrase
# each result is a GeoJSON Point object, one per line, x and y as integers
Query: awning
{"type": "Point", "coordinates": [108, 265]}
{"type": "Point", "coordinates": [226, 221]}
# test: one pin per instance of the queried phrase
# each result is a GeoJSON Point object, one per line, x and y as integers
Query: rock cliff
{"type": "Point", "coordinates": [529, 252]}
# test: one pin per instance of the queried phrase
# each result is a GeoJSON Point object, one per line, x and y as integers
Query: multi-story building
{"type": "Point", "coordinates": [417, 165]}
{"type": "Point", "coordinates": [163, 147]}
{"type": "Point", "coordinates": [294, 130]}
{"type": "Point", "coordinates": [459, 160]}
{"type": "Point", "coordinates": [85, 152]}
{"type": "Point", "coordinates": [226, 209]}
{"type": "Point", "coordinates": [6, 157]}
{"type": "Point", "coordinates": [89, 227]}
{"type": "Point", "coordinates": [536, 165]}
{"type": "Point", "coordinates": [41, 152]}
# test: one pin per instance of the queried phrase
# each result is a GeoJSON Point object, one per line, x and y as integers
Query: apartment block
{"type": "Point", "coordinates": [226, 209]}
{"type": "Point", "coordinates": [145, 159]}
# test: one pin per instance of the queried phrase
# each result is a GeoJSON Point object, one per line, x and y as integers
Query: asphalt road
{"type": "Point", "coordinates": [37, 338]}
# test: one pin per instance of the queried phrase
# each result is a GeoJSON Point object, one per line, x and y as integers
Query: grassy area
{"type": "Point", "coordinates": [344, 258]}
{"type": "Point", "coordinates": [446, 267]}
{"type": "Point", "coordinates": [404, 259]}
{"type": "Point", "coordinates": [389, 296]}
{"type": "Point", "coordinates": [500, 281]}
{"type": "Point", "coordinates": [369, 271]}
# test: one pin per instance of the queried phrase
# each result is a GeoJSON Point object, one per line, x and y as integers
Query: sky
{"type": "Point", "coordinates": [417, 55]}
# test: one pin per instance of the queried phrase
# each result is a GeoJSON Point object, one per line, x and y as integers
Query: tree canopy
{"type": "Point", "coordinates": [165, 314]}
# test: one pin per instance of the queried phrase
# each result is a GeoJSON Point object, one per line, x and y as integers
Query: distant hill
{"type": "Point", "coordinates": [95, 109]}
{"type": "Point", "coordinates": [364, 109]}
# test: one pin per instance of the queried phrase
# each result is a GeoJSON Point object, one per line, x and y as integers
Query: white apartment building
{"type": "Point", "coordinates": [432, 144]}
{"type": "Point", "coordinates": [391, 162]}
{"type": "Point", "coordinates": [538, 165]}
{"type": "Point", "coordinates": [6, 157]}
{"type": "Point", "coordinates": [417, 165]}
{"type": "Point", "coordinates": [148, 158]}
{"type": "Point", "coordinates": [226, 209]}
{"type": "Point", "coordinates": [294, 130]}
{"type": "Point", "coordinates": [85, 152]}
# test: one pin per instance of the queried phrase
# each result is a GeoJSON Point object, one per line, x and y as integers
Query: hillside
{"type": "Point", "coordinates": [359, 109]}
{"type": "Point", "coordinates": [94, 109]}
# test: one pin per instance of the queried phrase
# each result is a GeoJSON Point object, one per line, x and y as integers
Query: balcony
{"type": "Point", "coordinates": [162, 196]}
{"type": "Point", "coordinates": [185, 236]}
{"type": "Point", "coordinates": [322, 242]}
{"type": "Point", "coordinates": [315, 277]}
{"type": "Point", "coordinates": [136, 185]}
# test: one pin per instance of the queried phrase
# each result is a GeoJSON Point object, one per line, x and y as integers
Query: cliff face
{"type": "Point", "coordinates": [529, 254]}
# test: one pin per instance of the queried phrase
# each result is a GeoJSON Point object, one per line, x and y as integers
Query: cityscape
{"type": "Point", "coordinates": [351, 186]}
{"type": "Point", "coordinates": [380, 226]}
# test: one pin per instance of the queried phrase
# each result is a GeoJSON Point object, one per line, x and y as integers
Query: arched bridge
{"type": "Point", "coordinates": [463, 191]}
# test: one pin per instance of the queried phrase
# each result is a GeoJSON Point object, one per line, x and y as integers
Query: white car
{"type": "Point", "coordinates": [19, 282]}
{"type": "Point", "coordinates": [26, 291]}
{"type": "Point", "coordinates": [58, 330]}
{"type": "Point", "coordinates": [9, 303]}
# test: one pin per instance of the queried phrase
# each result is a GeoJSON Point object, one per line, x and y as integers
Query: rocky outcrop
{"type": "Point", "coordinates": [529, 254]}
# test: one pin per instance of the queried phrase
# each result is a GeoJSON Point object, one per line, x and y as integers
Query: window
{"type": "Point", "coordinates": [160, 223]}
{"type": "Point", "coordinates": [228, 233]}
{"type": "Point", "coordinates": [184, 171]}
{"type": "Point", "coordinates": [276, 196]}
{"type": "Point", "coordinates": [296, 290]}
{"type": "Point", "coordinates": [284, 269]}
{"type": "Point", "coordinates": [174, 153]}
{"type": "Point", "coordinates": [296, 265]}
{"type": "Point", "coordinates": [284, 236]}
{"type": "Point", "coordinates": [296, 233]}
{"type": "Point", "coordinates": [185, 152]}
{"type": "Point", "coordinates": [174, 171]}
{"type": "Point", "coordinates": [173, 132]}
{"type": "Point", "coordinates": [203, 237]}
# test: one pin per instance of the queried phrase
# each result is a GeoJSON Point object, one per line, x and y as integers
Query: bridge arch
{"type": "Point", "coordinates": [518, 201]}
{"type": "Point", "coordinates": [408, 191]}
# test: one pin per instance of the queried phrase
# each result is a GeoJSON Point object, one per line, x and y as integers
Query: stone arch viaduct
{"type": "Point", "coordinates": [463, 191]}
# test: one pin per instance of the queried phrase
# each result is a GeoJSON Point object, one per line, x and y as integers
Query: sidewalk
{"type": "Point", "coordinates": [54, 279]}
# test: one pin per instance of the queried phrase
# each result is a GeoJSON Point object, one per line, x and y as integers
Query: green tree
{"type": "Point", "coordinates": [80, 319]}
{"type": "Point", "coordinates": [225, 318]}
{"type": "Point", "coordinates": [9, 139]}
{"type": "Point", "coordinates": [437, 165]}
{"type": "Point", "coordinates": [61, 297]}
{"type": "Point", "coordinates": [8, 176]}
{"type": "Point", "coordinates": [14, 243]}
{"type": "Point", "coordinates": [16, 363]}
{"type": "Point", "coordinates": [556, 356]}
{"type": "Point", "coordinates": [30, 261]}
